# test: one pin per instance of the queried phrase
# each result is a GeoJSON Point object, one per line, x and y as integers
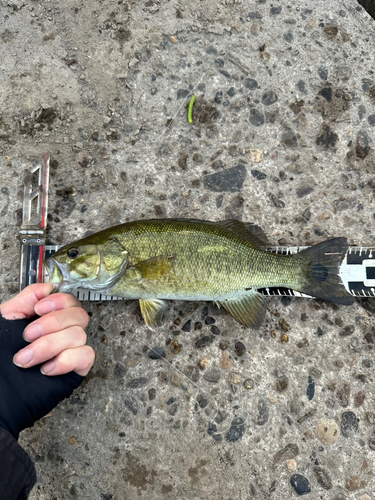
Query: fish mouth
{"type": "Point", "coordinates": [58, 274]}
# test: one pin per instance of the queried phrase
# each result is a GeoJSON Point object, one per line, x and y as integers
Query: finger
{"type": "Point", "coordinates": [55, 322]}
{"type": "Point", "coordinates": [49, 346]}
{"type": "Point", "coordinates": [55, 302]}
{"type": "Point", "coordinates": [79, 360]}
{"type": "Point", "coordinates": [22, 305]}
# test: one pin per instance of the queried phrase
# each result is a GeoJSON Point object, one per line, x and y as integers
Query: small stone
{"type": "Point", "coordinates": [202, 401]}
{"type": "Point", "coordinates": [198, 325]}
{"type": "Point", "coordinates": [370, 417]}
{"type": "Point", "coordinates": [255, 155]}
{"type": "Point", "coordinates": [349, 424]}
{"type": "Point", "coordinates": [289, 139]}
{"type": "Point", "coordinates": [292, 465]}
{"type": "Point", "coordinates": [176, 379]}
{"type": "Point", "coordinates": [288, 36]}
{"type": "Point", "coordinates": [310, 388]}
{"type": "Point", "coordinates": [151, 393]}
{"type": "Point", "coordinates": [239, 348]}
{"type": "Point", "coordinates": [209, 320]}
{"type": "Point", "coordinates": [236, 431]}
{"type": "Point", "coordinates": [203, 363]}
{"type": "Point", "coordinates": [204, 341]}
{"type": "Point", "coordinates": [175, 347]}
{"type": "Point", "coordinates": [284, 338]}
{"type": "Point", "coordinates": [257, 117]}
{"type": "Point", "coordinates": [302, 86]}
{"type": "Point", "coordinates": [258, 174]}
{"type": "Point", "coordinates": [328, 431]}
{"type": "Point", "coordinates": [322, 477]}
{"type": "Point", "coordinates": [215, 330]}
{"type": "Point", "coordinates": [303, 191]}
{"type": "Point", "coordinates": [226, 362]}
{"type": "Point", "coordinates": [281, 383]}
{"type": "Point", "coordinates": [249, 384]}
{"type": "Point", "coordinates": [323, 72]}
{"type": "Point", "coordinates": [182, 93]}
{"type": "Point", "coordinates": [251, 84]}
{"type": "Point", "coordinates": [364, 497]}
{"type": "Point", "coordinates": [223, 345]}
{"type": "Point", "coordinates": [275, 10]}
{"type": "Point", "coordinates": [371, 441]}
{"type": "Point", "coordinates": [156, 353]}
{"type": "Point", "coordinates": [187, 326]}
{"type": "Point", "coordinates": [131, 405]}
{"type": "Point", "coordinates": [231, 92]}
{"type": "Point", "coordinates": [270, 97]}
{"type": "Point", "coordinates": [363, 144]}
{"type": "Point", "coordinates": [327, 138]}
{"type": "Point", "coordinates": [218, 97]}
{"type": "Point", "coordinates": [213, 376]}
{"type": "Point", "coordinates": [283, 325]}
{"type": "Point", "coordinates": [348, 330]}
{"type": "Point", "coordinates": [359, 398]}
{"type": "Point", "coordinates": [230, 180]}
{"type": "Point", "coordinates": [371, 120]}
{"type": "Point", "coordinates": [300, 484]}
{"type": "Point", "coordinates": [219, 62]}
{"type": "Point", "coordinates": [289, 451]}
{"type": "Point", "coordinates": [343, 394]}
{"type": "Point", "coordinates": [353, 483]}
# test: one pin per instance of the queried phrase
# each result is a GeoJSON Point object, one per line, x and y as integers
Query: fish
{"type": "Point", "coordinates": [157, 260]}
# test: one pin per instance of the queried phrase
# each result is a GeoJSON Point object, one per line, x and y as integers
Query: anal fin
{"type": "Point", "coordinates": [249, 310]}
{"type": "Point", "coordinates": [152, 310]}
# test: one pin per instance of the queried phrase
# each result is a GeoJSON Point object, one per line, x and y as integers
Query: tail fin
{"type": "Point", "coordinates": [320, 264]}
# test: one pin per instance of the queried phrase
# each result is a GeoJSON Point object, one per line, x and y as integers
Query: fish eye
{"type": "Point", "coordinates": [73, 253]}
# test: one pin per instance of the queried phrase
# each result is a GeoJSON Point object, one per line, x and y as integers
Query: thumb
{"type": "Point", "coordinates": [22, 305]}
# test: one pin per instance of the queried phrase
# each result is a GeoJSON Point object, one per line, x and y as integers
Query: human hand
{"type": "Point", "coordinates": [57, 338]}
{"type": "Point", "coordinates": [27, 395]}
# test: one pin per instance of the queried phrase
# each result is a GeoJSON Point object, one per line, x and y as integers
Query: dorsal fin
{"type": "Point", "coordinates": [245, 230]}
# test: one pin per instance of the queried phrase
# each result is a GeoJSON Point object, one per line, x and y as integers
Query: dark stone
{"type": "Point", "coordinates": [348, 330]}
{"type": "Point", "coordinates": [213, 375]}
{"type": "Point", "coordinates": [231, 179]}
{"type": "Point", "coordinates": [270, 97]}
{"type": "Point", "coordinates": [363, 143]}
{"type": "Point", "coordinates": [136, 383]}
{"type": "Point", "coordinates": [361, 111]}
{"type": "Point", "coordinates": [225, 73]}
{"type": "Point", "coordinates": [198, 325]}
{"type": "Point", "coordinates": [215, 330]}
{"type": "Point", "coordinates": [304, 191]}
{"type": "Point", "coordinates": [131, 405]}
{"type": "Point", "coordinates": [302, 86]}
{"type": "Point", "coordinates": [239, 348]}
{"type": "Point", "coordinates": [151, 393]}
{"type": "Point", "coordinates": [322, 477]}
{"type": "Point", "coordinates": [235, 208]}
{"type": "Point", "coordinates": [275, 10]}
{"type": "Point", "coordinates": [251, 84]}
{"type": "Point", "coordinates": [254, 15]}
{"type": "Point", "coordinates": [300, 484]}
{"type": "Point", "coordinates": [209, 320]}
{"type": "Point", "coordinates": [182, 93]}
{"type": "Point", "coordinates": [202, 401]}
{"type": "Point", "coordinates": [342, 13]}
{"type": "Point", "coordinates": [231, 92]}
{"type": "Point", "coordinates": [156, 353]}
{"type": "Point", "coordinates": [219, 62]}
{"type": "Point", "coordinates": [256, 117]}
{"type": "Point", "coordinates": [263, 412]}
{"type": "Point", "coordinates": [359, 398]}
{"type": "Point", "coordinates": [371, 120]}
{"type": "Point", "coordinates": [287, 453]}
{"type": "Point", "coordinates": [286, 301]}
{"type": "Point", "coordinates": [236, 431]}
{"type": "Point", "coordinates": [258, 174]}
{"type": "Point", "coordinates": [349, 424]}
{"type": "Point", "coordinates": [310, 391]}
{"type": "Point", "coordinates": [204, 341]}
{"type": "Point", "coordinates": [281, 383]}
{"type": "Point", "coordinates": [328, 138]}
{"type": "Point", "coordinates": [211, 50]}
{"type": "Point", "coordinates": [277, 202]}
{"type": "Point", "coordinates": [323, 72]}
{"type": "Point", "coordinates": [218, 97]}
{"type": "Point", "coordinates": [187, 326]}
{"type": "Point", "coordinates": [306, 416]}
{"type": "Point", "coordinates": [288, 37]}
{"type": "Point", "coordinates": [326, 92]}
{"type": "Point", "coordinates": [297, 106]}
{"type": "Point", "coordinates": [173, 410]}
{"type": "Point", "coordinates": [119, 370]}
{"type": "Point", "coordinates": [171, 401]}
{"type": "Point", "coordinates": [289, 139]}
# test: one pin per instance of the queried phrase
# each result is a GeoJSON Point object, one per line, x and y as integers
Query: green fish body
{"type": "Point", "coordinates": [169, 259]}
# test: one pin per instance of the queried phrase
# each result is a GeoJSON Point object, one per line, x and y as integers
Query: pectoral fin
{"type": "Point", "coordinates": [249, 310]}
{"type": "Point", "coordinates": [156, 267]}
{"type": "Point", "coordinates": [152, 310]}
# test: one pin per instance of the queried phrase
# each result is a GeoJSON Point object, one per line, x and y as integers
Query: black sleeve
{"type": "Point", "coordinates": [17, 471]}
{"type": "Point", "coordinates": [26, 395]}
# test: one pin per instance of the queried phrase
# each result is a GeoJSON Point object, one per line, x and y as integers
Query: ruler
{"type": "Point", "coordinates": [357, 270]}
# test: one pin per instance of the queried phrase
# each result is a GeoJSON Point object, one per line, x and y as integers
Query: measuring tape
{"type": "Point", "coordinates": [357, 270]}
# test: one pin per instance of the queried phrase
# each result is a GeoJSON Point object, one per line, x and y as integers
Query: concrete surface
{"type": "Point", "coordinates": [286, 89]}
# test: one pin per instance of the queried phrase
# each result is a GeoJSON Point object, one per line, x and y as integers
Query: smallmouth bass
{"type": "Point", "coordinates": [182, 259]}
